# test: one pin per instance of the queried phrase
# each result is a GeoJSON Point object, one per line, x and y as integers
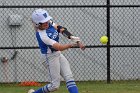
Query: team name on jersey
{"type": "Point", "coordinates": [53, 35]}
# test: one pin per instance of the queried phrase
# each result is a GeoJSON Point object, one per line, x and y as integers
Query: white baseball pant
{"type": "Point", "coordinates": [57, 65]}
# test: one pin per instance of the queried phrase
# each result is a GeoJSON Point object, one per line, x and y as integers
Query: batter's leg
{"type": "Point", "coordinates": [67, 75]}
{"type": "Point", "coordinates": [54, 74]}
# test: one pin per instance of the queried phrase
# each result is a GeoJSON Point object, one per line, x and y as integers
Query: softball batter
{"type": "Point", "coordinates": [47, 34]}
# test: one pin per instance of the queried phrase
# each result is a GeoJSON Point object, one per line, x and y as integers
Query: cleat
{"type": "Point", "coordinates": [31, 91]}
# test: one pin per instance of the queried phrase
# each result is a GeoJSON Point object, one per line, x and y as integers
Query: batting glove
{"type": "Point", "coordinates": [75, 39]}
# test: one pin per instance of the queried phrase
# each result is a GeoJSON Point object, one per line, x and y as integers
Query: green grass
{"type": "Point", "coordinates": [84, 87]}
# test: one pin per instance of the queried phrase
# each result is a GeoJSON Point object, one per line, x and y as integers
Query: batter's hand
{"type": "Point", "coordinates": [75, 39]}
{"type": "Point", "coordinates": [82, 46]}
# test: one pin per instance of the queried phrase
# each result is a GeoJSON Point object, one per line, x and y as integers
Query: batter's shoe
{"type": "Point", "coordinates": [31, 91]}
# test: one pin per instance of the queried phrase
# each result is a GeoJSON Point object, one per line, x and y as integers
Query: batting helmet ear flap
{"type": "Point", "coordinates": [36, 25]}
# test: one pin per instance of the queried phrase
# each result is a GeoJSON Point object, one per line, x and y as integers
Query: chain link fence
{"type": "Point", "coordinates": [20, 55]}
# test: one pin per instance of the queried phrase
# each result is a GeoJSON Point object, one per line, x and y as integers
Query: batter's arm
{"type": "Point", "coordinates": [62, 47]}
{"type": "Point", "coordinates": [67, 34]}
{"type": "Point", "coordinates": [62, 30]}
{"type": "Point", "coordinates": [55, 44]}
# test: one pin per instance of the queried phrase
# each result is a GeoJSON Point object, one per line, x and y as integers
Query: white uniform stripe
{"type": "Point", "coordinates": [43, 90]}
{"type": "Point", "coordinates": [71, 86]}
{"type": "Point", "coordinates": [70, 83]}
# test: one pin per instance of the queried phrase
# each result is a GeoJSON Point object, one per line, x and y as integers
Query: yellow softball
{"type": "Point", "coordinates": [104, 39]}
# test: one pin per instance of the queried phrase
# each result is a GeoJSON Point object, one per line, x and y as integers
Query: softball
{"type": "Point", "coordinates": [104, 39]}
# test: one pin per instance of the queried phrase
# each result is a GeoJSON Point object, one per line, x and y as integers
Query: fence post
{"type": "Point", "coordinates": [108, 44]}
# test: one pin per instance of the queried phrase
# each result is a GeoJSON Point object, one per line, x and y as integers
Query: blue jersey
{"type": "Point", "coordinates": [46, 38]}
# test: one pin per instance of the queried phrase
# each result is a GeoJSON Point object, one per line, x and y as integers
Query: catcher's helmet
{"type": "Point", "coordinates": [40, 16]}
